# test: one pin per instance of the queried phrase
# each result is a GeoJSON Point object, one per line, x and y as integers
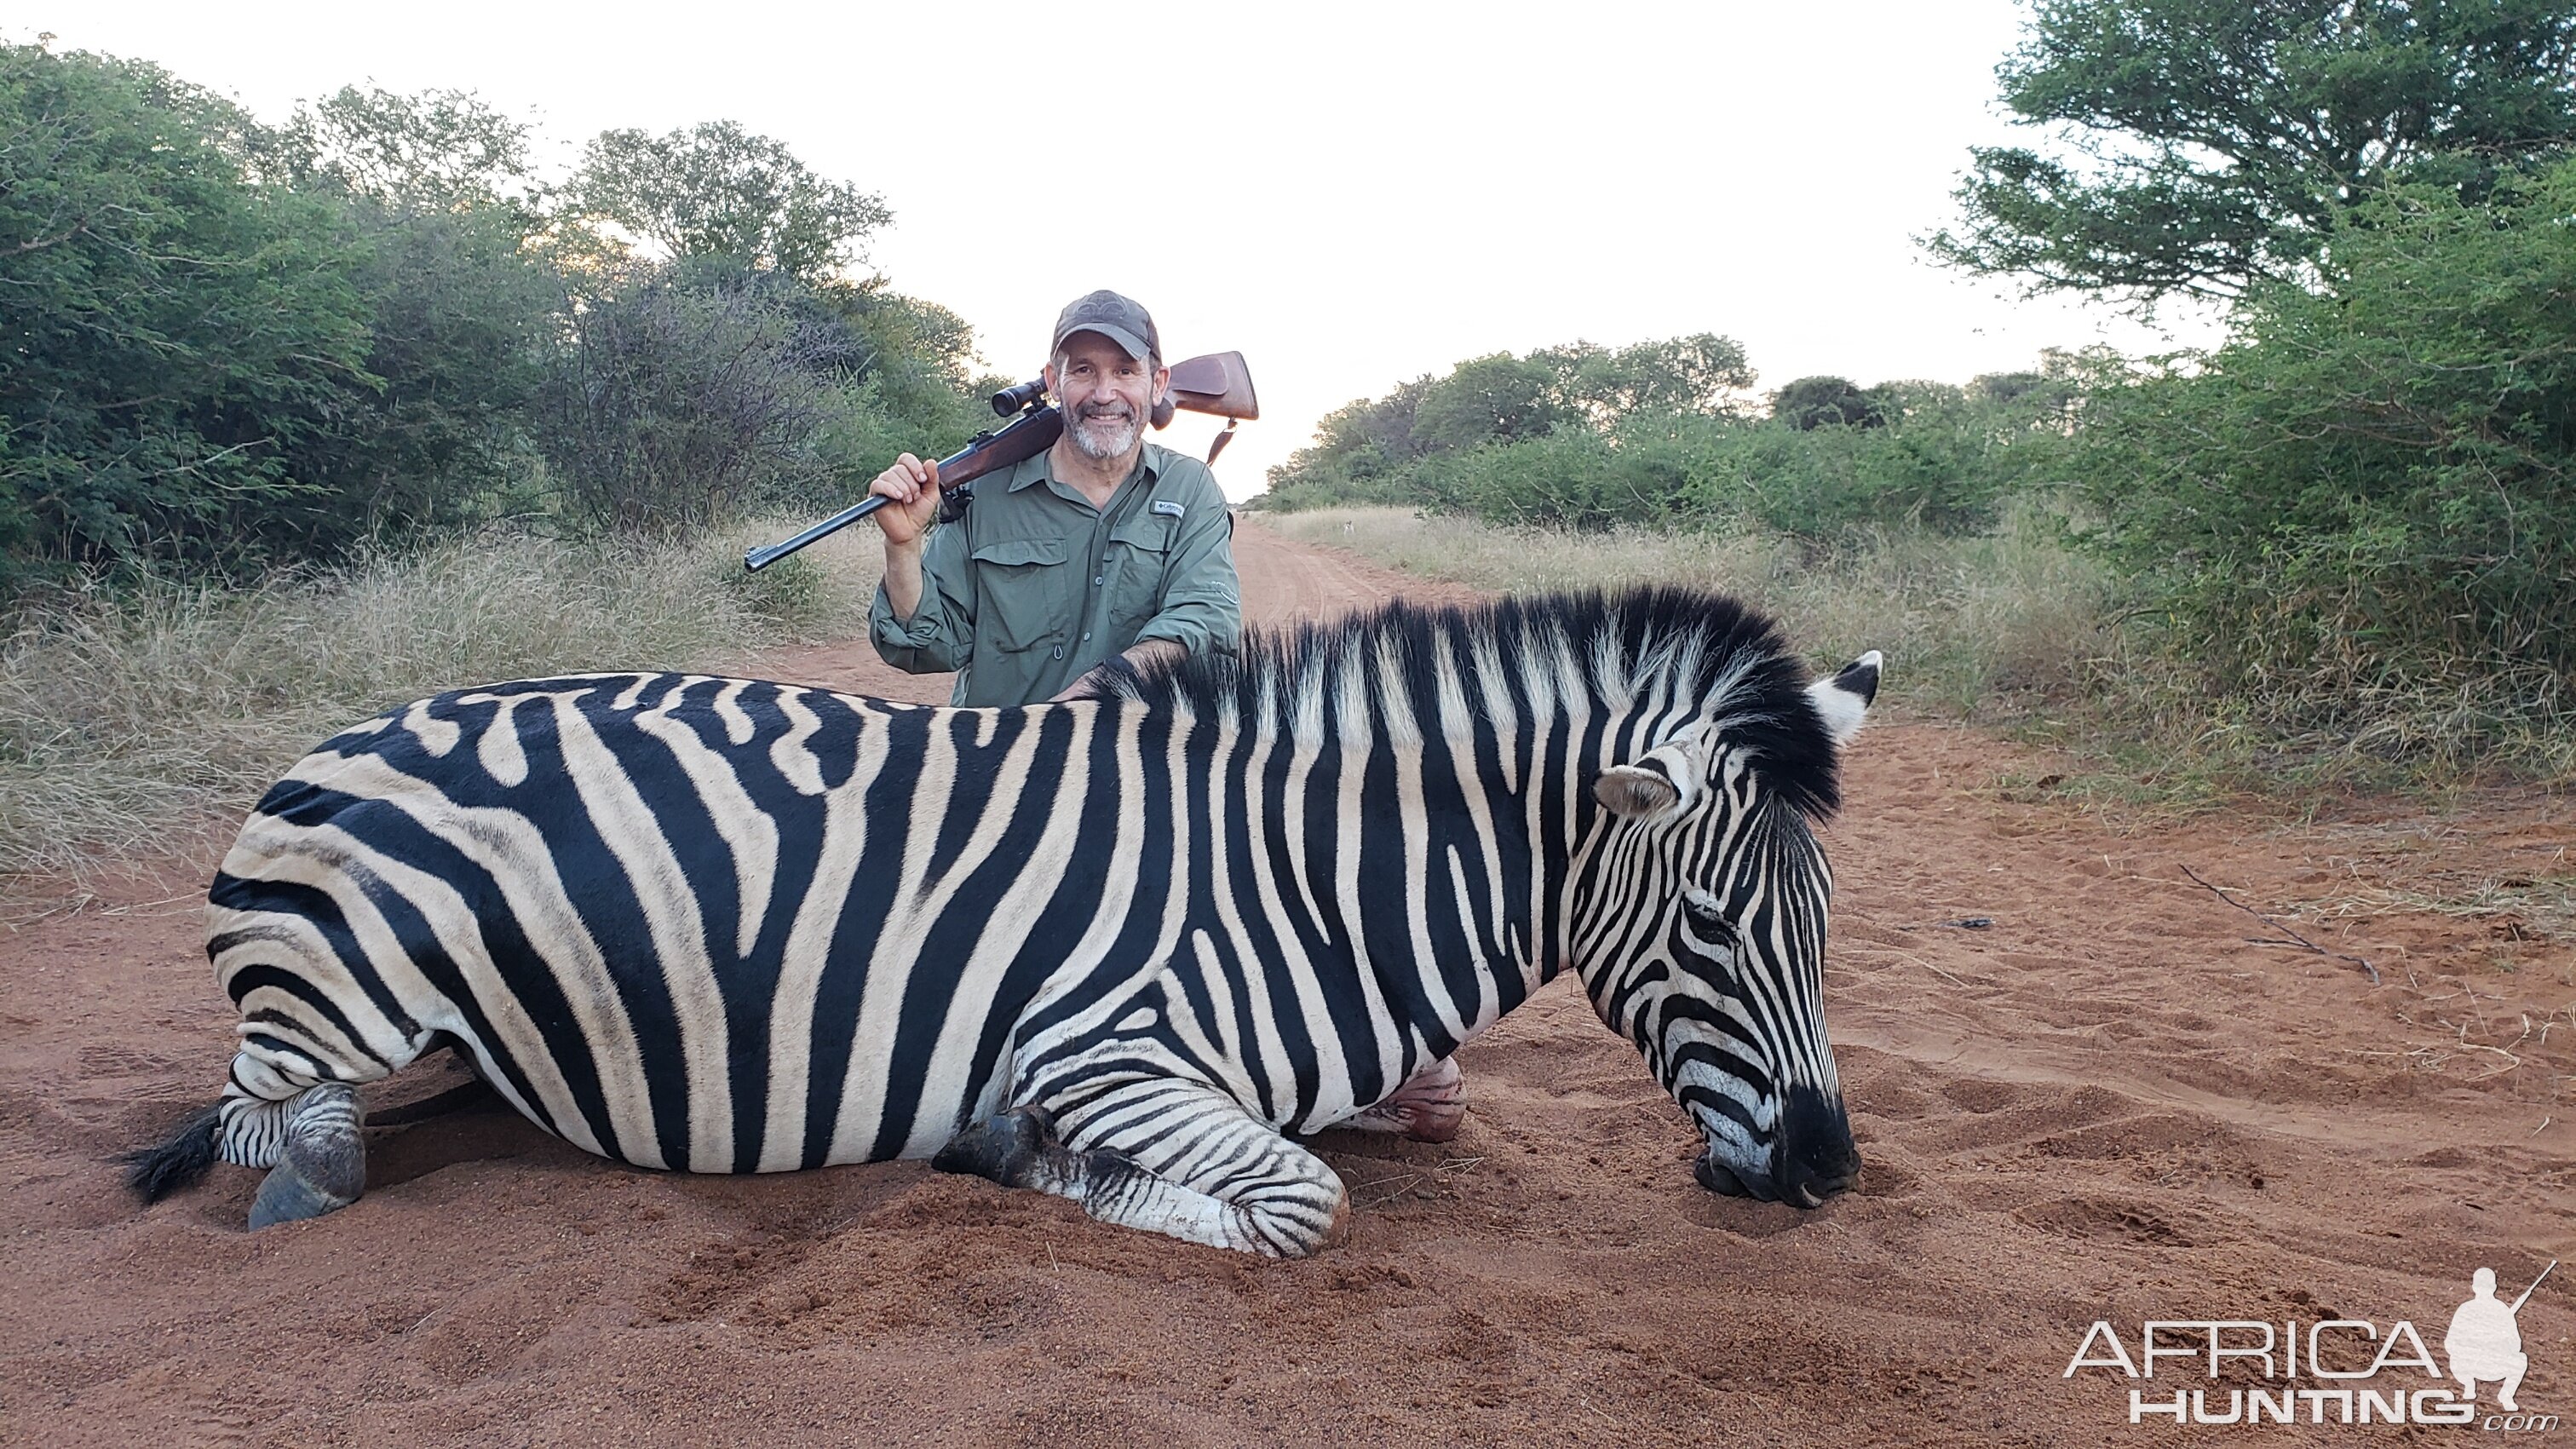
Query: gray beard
{"type": "Point", "coordinates": [1104, 439]}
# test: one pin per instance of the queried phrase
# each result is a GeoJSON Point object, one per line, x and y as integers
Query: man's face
{"type": "Point", "coordinates": [1106, 395]}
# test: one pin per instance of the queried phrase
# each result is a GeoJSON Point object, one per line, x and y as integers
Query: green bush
{"type": "Point", "coordinates": [1370, 450]}
{"type": "Point", "coordinates": [172, 329]}
{"type": "Point", "coordinates": [229, 348]}
{"type": "Point", "coordinates": [2369, 496]}
{"type": "Point", "coordinates": [1930, 455]}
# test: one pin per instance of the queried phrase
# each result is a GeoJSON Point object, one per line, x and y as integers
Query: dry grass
{"type": "Point", "coordinates": [126, 714]}
{"type": "Point", "coordinates": [1970, 627]}
{"type": "Point", "coordinates": [2017, 628]}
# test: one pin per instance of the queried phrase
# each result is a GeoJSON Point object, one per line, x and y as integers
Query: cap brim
{"type": "Point", "coordinates": [1133, 345]}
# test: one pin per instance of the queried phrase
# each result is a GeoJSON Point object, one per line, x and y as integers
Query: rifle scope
{"type": "Point", "coordinates": [1011, 399]}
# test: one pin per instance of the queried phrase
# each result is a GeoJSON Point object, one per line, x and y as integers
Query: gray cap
{"type": "Point", "coordinates": [1120, 319]}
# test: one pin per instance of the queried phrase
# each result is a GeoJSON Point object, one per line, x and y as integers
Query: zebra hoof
{"type": "Point", "coordinates": [285, 1196]}
{"type": "Point", "coordinates": [1005, 1148]}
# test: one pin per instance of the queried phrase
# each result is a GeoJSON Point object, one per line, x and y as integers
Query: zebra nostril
{"type": "Point", "coordinates": [1718, 1178]}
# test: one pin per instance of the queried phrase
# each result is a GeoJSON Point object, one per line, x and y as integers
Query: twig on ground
{"type": "Point", "coordinates": [2295, 938]}
{"type": "Point", "coordinates": [74, 906]}
{"type": "Point", "coordinates": [1403, 1181]}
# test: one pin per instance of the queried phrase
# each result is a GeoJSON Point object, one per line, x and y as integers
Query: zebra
{"type": "Point", "coordinates": [1124, 949]}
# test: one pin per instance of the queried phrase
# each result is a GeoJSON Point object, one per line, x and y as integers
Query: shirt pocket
{"type": "Point", "coordinates": [1141, 547]}
{"type": "Point", "coordinates": [1026, 591]}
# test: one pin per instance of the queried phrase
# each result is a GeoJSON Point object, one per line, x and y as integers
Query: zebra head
{"type": "Point", "coordinates": [1710, 955]}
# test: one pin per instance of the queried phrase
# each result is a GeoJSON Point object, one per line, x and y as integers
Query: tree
{"type": "Point", "coordinates": [671, 402]}
{"type": "Point", "coordinates": [1489, 399]}
{"type": "Point", "coordinates": [445, 216]}
{"type": "Point", "coordinates": [1695, 374]}
{"type": "Point", "coordinates": [718, 191]}
{"type": "Point", "coordinates": [2371, 491]}
{"type": "Point", "coordinates": [1370, 448]}
{"type": "Point", "coordinates": [1360, 448]}
{"type": "Point", "coordinates": [172, 329]}
{"type": "Point", "coordinates": [438, 150]}
{"type": "Point", "coordinates": [2200, 147]}
{"type": "Point", "coordinates": [1816, 402]}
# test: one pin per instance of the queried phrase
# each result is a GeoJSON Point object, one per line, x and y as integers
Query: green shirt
{"type": "Point", "coordinates": [1035, 587]}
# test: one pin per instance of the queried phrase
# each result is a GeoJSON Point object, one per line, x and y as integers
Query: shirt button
{"type": "Point", "coordinates": [1059, 652]}
{"type": "Point", "coordinates": [1086, 636]}
{"type": "Point", "coordinates": [1099, 579]}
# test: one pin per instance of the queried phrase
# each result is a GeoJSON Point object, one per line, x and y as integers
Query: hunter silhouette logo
{"type": "Point", "coordinates": [2331, 1371]}
{"type": "Point", "coordinates": [2485, 1341]}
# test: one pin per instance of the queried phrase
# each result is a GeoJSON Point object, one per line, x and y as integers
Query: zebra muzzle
{"type": "Point", "coordinates": [1812, 1159]}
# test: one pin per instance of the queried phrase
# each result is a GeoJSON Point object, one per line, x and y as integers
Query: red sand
{"type": "Point", "coordinates": [2107, 1104]}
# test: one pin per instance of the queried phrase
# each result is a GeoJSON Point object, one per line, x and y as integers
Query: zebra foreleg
{"type": "Point", "coordinates": [321, 1160]}
{"type": "Point", "coordinates": [1169, 1157]}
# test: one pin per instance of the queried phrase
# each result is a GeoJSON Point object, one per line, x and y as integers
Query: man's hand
{"type": "Point", "coordinates": [914, 487]}
{"type": "Point", "coordinates": [1088, 686]}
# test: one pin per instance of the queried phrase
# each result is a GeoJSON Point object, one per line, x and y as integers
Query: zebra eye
{"type": "Point", "coordinates": [1706, 918]}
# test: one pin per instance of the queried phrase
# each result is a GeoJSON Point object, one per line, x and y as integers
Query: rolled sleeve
{"type": "Point", "coordinates": [941, 632]}
{"type": "Point", "coordinates": [1202, 602]}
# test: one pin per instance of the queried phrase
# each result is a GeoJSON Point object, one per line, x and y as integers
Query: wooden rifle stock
{"type": "Point", "coordinates": [1218, 383]}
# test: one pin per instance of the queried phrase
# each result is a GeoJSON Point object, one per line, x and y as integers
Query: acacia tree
{"type": "Point", "coordinates": [1815, 402]}
{"type": "Point", "coordinates": [1700, 373]}
{"type": "Point", "coordinates": [449, 233]}
{"type": "Point", "coordinates": [172, 329]}
{"type": "Point", "coordinates": [718, 191]}
{"type": "Point", "coordinates": [2199, 147]}
{"type": "Point", "coordinates": [2372, 487]}
{"type": "Point", "coordinates": [436, 150]}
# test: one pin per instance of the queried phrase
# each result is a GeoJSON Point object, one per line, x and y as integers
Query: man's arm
{"type": "Point", "coordinates": [1139, 655]}
{"type": "Point", "coordinates": [923, 618]}
{"type": "Point", "coordinates": [913, 487]}
{"type": "Point", "coordinates": [1202, 600]}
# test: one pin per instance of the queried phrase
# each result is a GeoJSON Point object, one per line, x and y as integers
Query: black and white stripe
{"type": "Point", "coordinates": [1120, 949]}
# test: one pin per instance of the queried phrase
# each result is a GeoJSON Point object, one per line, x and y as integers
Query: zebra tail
{"type": "Point", "coordinates": [156, 1172]}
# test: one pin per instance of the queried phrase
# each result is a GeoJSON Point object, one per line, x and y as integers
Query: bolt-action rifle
{"type": "Point", "coordinates": [1218, 384]}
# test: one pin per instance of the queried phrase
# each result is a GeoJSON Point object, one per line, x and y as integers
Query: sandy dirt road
{"type": "Point", "coordinates": [2108, 1103]}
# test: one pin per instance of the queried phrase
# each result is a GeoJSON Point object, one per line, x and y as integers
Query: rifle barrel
{"type": "Point", "coordinates": [1030, 434]}
{"type": "Point", "coordinates": [2535, 1283]}
{"type": "Point", "coordinates": [760, 558]}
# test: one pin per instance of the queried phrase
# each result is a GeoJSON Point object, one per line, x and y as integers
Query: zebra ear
{"type": "Point", "coordinates": [1633, 791]}
{"type": "Point", "coordinates": [1844, 699]}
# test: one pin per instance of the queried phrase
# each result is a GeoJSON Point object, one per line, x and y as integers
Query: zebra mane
{"type": "Point", "coordinates": [1684, 653]}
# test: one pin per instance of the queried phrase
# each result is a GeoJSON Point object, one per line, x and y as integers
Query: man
{"type": "Point", "coordinates": [1103, 546]}
{"type": "Point", "coordinates": [2486, 1343]}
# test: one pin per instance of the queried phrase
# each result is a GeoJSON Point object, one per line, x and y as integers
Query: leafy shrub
{"type": "Point", "coordinates": [668, 405]}
{"type": "Point", "coordinates": [2370, 494]}
{"type": "Point", "coordinates": [229, 347]}
{"type": "Point", "coordinates": [1939, 457]}
{"type": "Point", "coordinates": [172, 328]}
{"type": "Point", "coordinates": [1366, 450]}
{"type": "Point", "coordinates": [1817, 402]}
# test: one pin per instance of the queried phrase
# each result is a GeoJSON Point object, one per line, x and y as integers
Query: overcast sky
{"type": "Point", "coordinates": [1351, 195]}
